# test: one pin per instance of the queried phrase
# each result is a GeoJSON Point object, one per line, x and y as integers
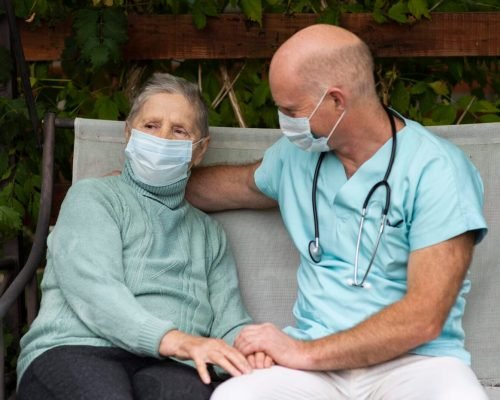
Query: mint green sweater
{"type": "Point", "coordinates": [128, 262]}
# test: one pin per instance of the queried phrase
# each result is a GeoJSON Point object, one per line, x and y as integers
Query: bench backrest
{"type": "Point", "coordinates": [267, 260]}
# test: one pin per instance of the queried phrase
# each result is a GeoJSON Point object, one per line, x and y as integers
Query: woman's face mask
{"type": "Point", "coordinates": [156, 161]}
{"type": "Point", "coordinates": [298, 130]}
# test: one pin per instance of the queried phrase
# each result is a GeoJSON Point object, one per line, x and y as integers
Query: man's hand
{"type": "Point", "coordinates": [270, 340]}
{"type": "Point", "coordinates": [204, 351]}
{"type": "Point", "coordinates": [260, 360]}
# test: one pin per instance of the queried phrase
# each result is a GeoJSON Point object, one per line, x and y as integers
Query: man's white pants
{"type": "Point", "coordinates": [409, 377]}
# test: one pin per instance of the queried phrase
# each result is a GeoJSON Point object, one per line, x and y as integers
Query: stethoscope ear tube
{"type": "Point", "coordinates": [314, 247]}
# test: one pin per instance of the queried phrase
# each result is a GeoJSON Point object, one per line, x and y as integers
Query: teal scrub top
{"type": "Point", "coordinates": [436, 194]}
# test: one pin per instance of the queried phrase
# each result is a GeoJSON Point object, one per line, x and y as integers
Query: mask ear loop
{"type": "Point", "coordinates": [335, 126]}
{"type": "Point", "coordinates": [317, 105]}
{"type": "Point", "coordinates": [199, 141]}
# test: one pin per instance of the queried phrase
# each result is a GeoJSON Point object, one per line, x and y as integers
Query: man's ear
{"type": "Point", "coordinates": [338, 96]}
{"type": "Point", "coordinates": [199, 151]}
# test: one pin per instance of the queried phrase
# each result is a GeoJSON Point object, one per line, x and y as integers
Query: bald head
{"type": "Point", "coordinates": [322, 56]}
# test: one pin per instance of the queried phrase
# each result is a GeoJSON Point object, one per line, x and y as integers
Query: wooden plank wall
{"type": "Point", "coordinates": [229, 36]}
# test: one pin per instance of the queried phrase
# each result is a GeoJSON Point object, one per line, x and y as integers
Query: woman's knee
{"type": "Point", "coordinates": [170, 380]}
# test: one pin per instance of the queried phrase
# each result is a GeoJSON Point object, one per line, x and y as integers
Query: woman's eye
{"type": "Point", "coordinates": [180, 132]}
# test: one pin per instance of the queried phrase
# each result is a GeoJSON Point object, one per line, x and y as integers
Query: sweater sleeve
{"type": "Point", "coordinates": [86, 257]}
{"type": "Point", "coordinates": [230, 315]}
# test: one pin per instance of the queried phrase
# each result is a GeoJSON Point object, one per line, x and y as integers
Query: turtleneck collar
{"type": "Point", "coordinates": [171, 195]}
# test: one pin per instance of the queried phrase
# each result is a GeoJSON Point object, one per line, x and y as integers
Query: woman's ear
{"type": "Point", "coordinates": [199, 151]}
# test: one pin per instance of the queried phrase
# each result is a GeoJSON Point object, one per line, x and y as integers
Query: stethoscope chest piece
{"type": "Point", "coordinates": [315, 250]}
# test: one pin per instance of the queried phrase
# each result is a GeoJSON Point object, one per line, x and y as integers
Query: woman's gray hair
{"type": "Point", "coordinates": [166, 83]}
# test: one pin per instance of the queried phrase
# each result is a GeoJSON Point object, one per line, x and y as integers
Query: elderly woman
{"type": "Point", "coordinates": [139, 285]}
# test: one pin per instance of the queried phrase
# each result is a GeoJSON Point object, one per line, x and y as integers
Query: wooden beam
{"type": "Point", "coordinates": [154, 37]}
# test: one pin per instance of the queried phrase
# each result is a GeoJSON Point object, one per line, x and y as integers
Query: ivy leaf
{"type": "Point", "coordinates": [398, 12]}
{"type": "Point", "coordinates": [427, 101]}
{"type": "Point", "coordinates": [444, 114]}
{"type": "Point", "coordinates": [174, 5]}
{"type": "Point", "coordinates": [379, 16]}
{"type": "Point", "coordinates": [484, 106]}
{"type": "Point", "coordinates": [85, 25]}
{"type": "Point", "coordinates": [260, 94]}
{"type": "Point", "coordinates": [418, 8]}
{"type": "Point", "coordinates": [5, 65]}
{"type": "Point", "coordinates": [121, 102]}
{"type": "Point", "coordinates": [489, 118]}
{"type": "Point", "coordinates": [114, 25]}
{"type": "Point", "coordinates": [199, 19]}
{"type": "Point", "coordinates": [465, 102]}
{"type": "Point", "coordinates": [113, 50]}
{"type": "Point", "coordinates": [419, 88]}
{"type": "Point", "coordinates": [252, 9]}
{"type": "Point", "coordinates": [298, 6]}
{"type": "Point", "coordinates": [331, 15]}
{"type": "Point", "coordinates": [99, 56]}
{"type": "Point", "coordinates": [400, 97]}
{"type": "Point", "coordinates": [439, 87]}
{"type": "Point", "coordinates": [456, 69]}
{"type": "Point", "coordinates": [10, 221]}
{"type": "Point", "coordinates": [22, 8]}
{"type": "Point", "coordinates": [106, 108]}
{"type": "Point", "coordinates": [209, 8]}
{"type": "Point", "coordinates": [200, 10]}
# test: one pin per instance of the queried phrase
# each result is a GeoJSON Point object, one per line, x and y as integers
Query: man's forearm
{"type": "Point", "coordinates": [386, 335]}
{"type": "Point", "coordinates": [225, 187]}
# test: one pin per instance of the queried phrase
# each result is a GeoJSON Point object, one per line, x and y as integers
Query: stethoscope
{"type": "Point", "coordinates": [315, 250]}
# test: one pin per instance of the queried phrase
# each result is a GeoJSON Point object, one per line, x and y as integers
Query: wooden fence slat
{"type": "Point", "coordinates": [153, 37]}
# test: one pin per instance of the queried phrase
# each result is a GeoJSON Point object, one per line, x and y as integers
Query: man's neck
{"type": "Point", "coordinates": [364, 137]}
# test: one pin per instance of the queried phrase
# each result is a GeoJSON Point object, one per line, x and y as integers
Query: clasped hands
{"type": "Point", "coordinates": [257, 346]}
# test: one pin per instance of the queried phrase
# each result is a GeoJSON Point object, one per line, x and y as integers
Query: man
{"type": "Point", "coordinates": [380, 297]}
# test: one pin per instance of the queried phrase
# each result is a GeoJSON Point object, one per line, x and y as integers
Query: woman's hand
{"type": "Point", "coordinates": [204, 351]}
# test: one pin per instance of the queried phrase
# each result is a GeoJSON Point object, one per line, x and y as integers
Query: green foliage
{"type": "Point", "coordinates": [252, 9]}
{"type": "Point", "coordinates": [202, 9]}
{"type": "Point", "coordinates": [19, 169]}
{"type": "Point", "coordinates": [429, 90]}
{"type": "Point", "coordinates": [100, 34]}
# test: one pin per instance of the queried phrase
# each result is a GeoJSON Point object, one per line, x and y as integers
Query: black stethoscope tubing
{"type": "Point", "coordinates": [315, 250]}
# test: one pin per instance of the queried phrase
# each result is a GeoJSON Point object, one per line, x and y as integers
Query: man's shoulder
{"type": "Point", "coordinates": [426, 145]}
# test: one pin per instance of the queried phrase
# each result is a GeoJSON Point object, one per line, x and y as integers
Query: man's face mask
{"type": "Point", "coordinates": [298, 130]}
{"type": "Point", "coordinates": [156, 161]}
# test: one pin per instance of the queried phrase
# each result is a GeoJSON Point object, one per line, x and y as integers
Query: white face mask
{"type": "Point", "coordinates": [298, 130]}
{"type": "Point", "coordinates": [156, 161]}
